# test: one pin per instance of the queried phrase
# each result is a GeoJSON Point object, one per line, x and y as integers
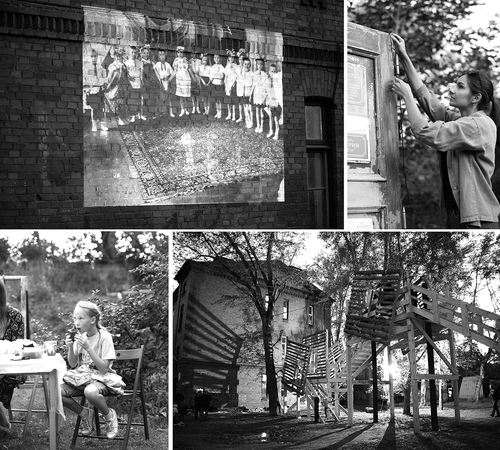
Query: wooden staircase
{"type": "Point", "coordinates": [371, 305]}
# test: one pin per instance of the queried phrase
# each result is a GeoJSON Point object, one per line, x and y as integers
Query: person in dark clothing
{"type": "Point", "coordinates": [205, 400]}
{"type": "Point", "coordinates": [495, 393]}
{"type": "Point", "coordinates": [181, 409]}
{"type": "Point", "coordinates": [197, 403]}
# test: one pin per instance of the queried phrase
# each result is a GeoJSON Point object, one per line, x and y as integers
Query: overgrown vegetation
{"type": "Point", "coordinates": [126, 274]}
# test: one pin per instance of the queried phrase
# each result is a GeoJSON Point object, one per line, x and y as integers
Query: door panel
{"type": "Point", "coordinates": [373, 191]}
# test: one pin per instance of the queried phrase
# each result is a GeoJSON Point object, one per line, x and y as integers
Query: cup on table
{"type": "Point", "coordinates": [50, 347]}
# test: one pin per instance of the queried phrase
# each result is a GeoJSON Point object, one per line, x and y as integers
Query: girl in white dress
{"type": "Point", "coordinates": [182, 80]}
{"type": "Point", "coordinates": [205, 83]}
{"type": "Point", "coordinates": [260, 78]}
{"type": "Point", "coordinates": [230, 75]}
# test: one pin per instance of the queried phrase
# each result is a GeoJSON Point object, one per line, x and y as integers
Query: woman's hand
{"type": "Point", "coordinates": [399, 44]}
{"type": "Point", "coordinates": [402, 89]}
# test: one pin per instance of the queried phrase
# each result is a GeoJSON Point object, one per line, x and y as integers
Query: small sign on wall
{"type": "Point", "coordinates": [357, 123]}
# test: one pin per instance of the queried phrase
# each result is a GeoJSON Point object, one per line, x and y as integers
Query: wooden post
{"type": "Point", "coordinates": [432, 382]}
{"type": "Point", "coordinates": [453, 361]}
{"type": "Point", "coordinates": [375, 382]}
{"type": "Point", "coordinates": [350, 392]}
{"type": "Point", "coordinates": [25, 306]}
{"type": "Point", "coordinates": [391, 382]}
{"type": "Point", "coordinates": [413, 371]}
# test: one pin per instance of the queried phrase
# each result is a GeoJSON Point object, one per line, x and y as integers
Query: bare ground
{"type": "Point", "coordinates": [231, 430]}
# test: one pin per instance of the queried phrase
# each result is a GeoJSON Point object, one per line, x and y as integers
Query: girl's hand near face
{"type": "Point", "coordinates": [69, 341]}
{"type": "Point", "coordinates": [82, 341]}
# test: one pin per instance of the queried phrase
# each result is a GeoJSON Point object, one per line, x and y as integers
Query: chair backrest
{"type": "Point", "coordinates": [130, 355]}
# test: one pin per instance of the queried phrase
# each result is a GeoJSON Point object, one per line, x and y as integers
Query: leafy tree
{"type": "Point", "coordinates": [442, 258]}
{"type": "Point", "coordinates": [4, 253]}
{"type": "Point", "coordinates": [261, 274]}
{"type": "Point", "coordinates": [441, 52]}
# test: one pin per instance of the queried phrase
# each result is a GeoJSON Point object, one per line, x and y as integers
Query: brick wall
{"type": "Point", "coordinates": [41, 138]}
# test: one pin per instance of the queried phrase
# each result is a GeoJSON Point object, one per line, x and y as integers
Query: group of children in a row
{"type": "Point", "coordinates": [138, 88]}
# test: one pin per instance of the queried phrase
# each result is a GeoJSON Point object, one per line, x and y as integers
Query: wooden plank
{"type": "Point", "coordinates": [391, 383]}
{"type": "Point", "coordinates": [465, 320]}
{"type": "Point", "coordinates": [435, 306]}
{"type": "Point", "coordinates": [428, 376]}
{"type": "Point", "coordinates": [434, 346]}
{"type": "Point", "coordinates": [456, 396]}
{"type": "Point", "coordinates": [367, 362]}
{"type": "Point", "coordinates": [482, 312]}
{"type": "Point", "coordinates": [350, 390]}
{"type": "Point", "coordinates": [413, 371]}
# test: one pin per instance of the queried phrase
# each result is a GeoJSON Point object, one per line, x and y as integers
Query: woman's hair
{"type": "Point", "coordinates": [3, 309]}
{"type": "Point", "coordinates": [91, 309]}
{"type": "Point", "coordinates": [480, 83]}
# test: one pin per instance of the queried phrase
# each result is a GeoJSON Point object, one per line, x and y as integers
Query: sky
{"type": "Point", "coordinates": [58, 237]}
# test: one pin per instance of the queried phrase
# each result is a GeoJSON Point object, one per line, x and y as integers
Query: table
{"type": "Point", "coordinates": [52, 366]}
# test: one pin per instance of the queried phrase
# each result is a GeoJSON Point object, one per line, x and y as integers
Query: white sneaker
{"type": "Point", "coordinates": [112, 425]}
{"type": "Point", "coordinates": [239, 120]}
{"type": "Point", "coordinates": [87, 424]}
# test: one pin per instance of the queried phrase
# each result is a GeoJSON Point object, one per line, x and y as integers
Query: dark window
{"type": "Point", "coordinates": [318, 154]}
{"type": "Point", "coordinates": [181, 313]}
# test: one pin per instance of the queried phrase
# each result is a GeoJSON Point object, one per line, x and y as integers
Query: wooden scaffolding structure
{"type": "Point", "coordinates": [391, 313]}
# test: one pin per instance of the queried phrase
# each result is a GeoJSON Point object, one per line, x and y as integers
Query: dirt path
{"type": "Point", "coordinates": [259, 431]}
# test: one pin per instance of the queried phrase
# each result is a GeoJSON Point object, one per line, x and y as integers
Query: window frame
{"type": "Point", "coordinates": [324, 146]}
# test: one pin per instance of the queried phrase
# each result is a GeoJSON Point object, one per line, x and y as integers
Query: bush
{"type": "Point", "coordinates": [140, 319]}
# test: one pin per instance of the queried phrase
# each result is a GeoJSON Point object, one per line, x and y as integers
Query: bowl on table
{"type": "Point", "coordinates": [31, 353]}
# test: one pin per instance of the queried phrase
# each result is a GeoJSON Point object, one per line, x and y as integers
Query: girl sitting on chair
{"type": "Point", "coordinates": [92, 347]}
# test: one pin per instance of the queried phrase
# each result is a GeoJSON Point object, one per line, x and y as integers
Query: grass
{"type": "Point", "coordinates": [37, 437]}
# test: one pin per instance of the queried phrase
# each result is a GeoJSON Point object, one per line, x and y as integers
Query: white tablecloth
{"type": "Point", "coordinates": [44, 365]}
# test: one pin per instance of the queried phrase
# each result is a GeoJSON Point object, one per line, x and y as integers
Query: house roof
{"type": "Point", "coordinates": [224, 267]}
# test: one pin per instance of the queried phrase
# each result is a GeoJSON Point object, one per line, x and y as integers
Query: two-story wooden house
{"type": "Point", "coordinates": [218, 333]}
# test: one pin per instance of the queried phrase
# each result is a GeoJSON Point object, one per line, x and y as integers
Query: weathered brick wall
{"type": "Point", "coordinates": [41, 137]}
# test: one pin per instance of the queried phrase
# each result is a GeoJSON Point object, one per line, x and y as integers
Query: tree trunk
{"type": "Point", "coordinates": [407, 393]}
{"type": "Point", "coordinates": [272, 383]}
{"type": "Point", "coordinates": [479, 385]}
{"type": "Point", "coordinates": [423, 392]}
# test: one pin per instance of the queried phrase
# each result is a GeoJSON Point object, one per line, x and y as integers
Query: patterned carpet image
{"type": "Point", "coordinates": [186, 159]}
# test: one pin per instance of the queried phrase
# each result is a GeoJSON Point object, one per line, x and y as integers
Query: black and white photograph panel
{"type": "Point", "coordinates": [84, 340]}
{"type": "Point", "coordinates": [422, 114]}
{"type": "Point", "coordinates": [180, 112]}
{"type": "Point", "coordinates": [355, 340]}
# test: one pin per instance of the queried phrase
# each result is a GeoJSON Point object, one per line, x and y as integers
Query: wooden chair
{"type": "Point", "coordinates": [138, 390]}
{"type": "Point", "coordinates": [33, 384]}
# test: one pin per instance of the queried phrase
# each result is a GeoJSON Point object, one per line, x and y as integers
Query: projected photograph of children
{"type": "Point", "coordinates": [180, 112]}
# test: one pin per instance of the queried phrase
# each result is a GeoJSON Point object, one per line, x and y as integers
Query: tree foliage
{"type": "Point", "coordinates": [259, 267]}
